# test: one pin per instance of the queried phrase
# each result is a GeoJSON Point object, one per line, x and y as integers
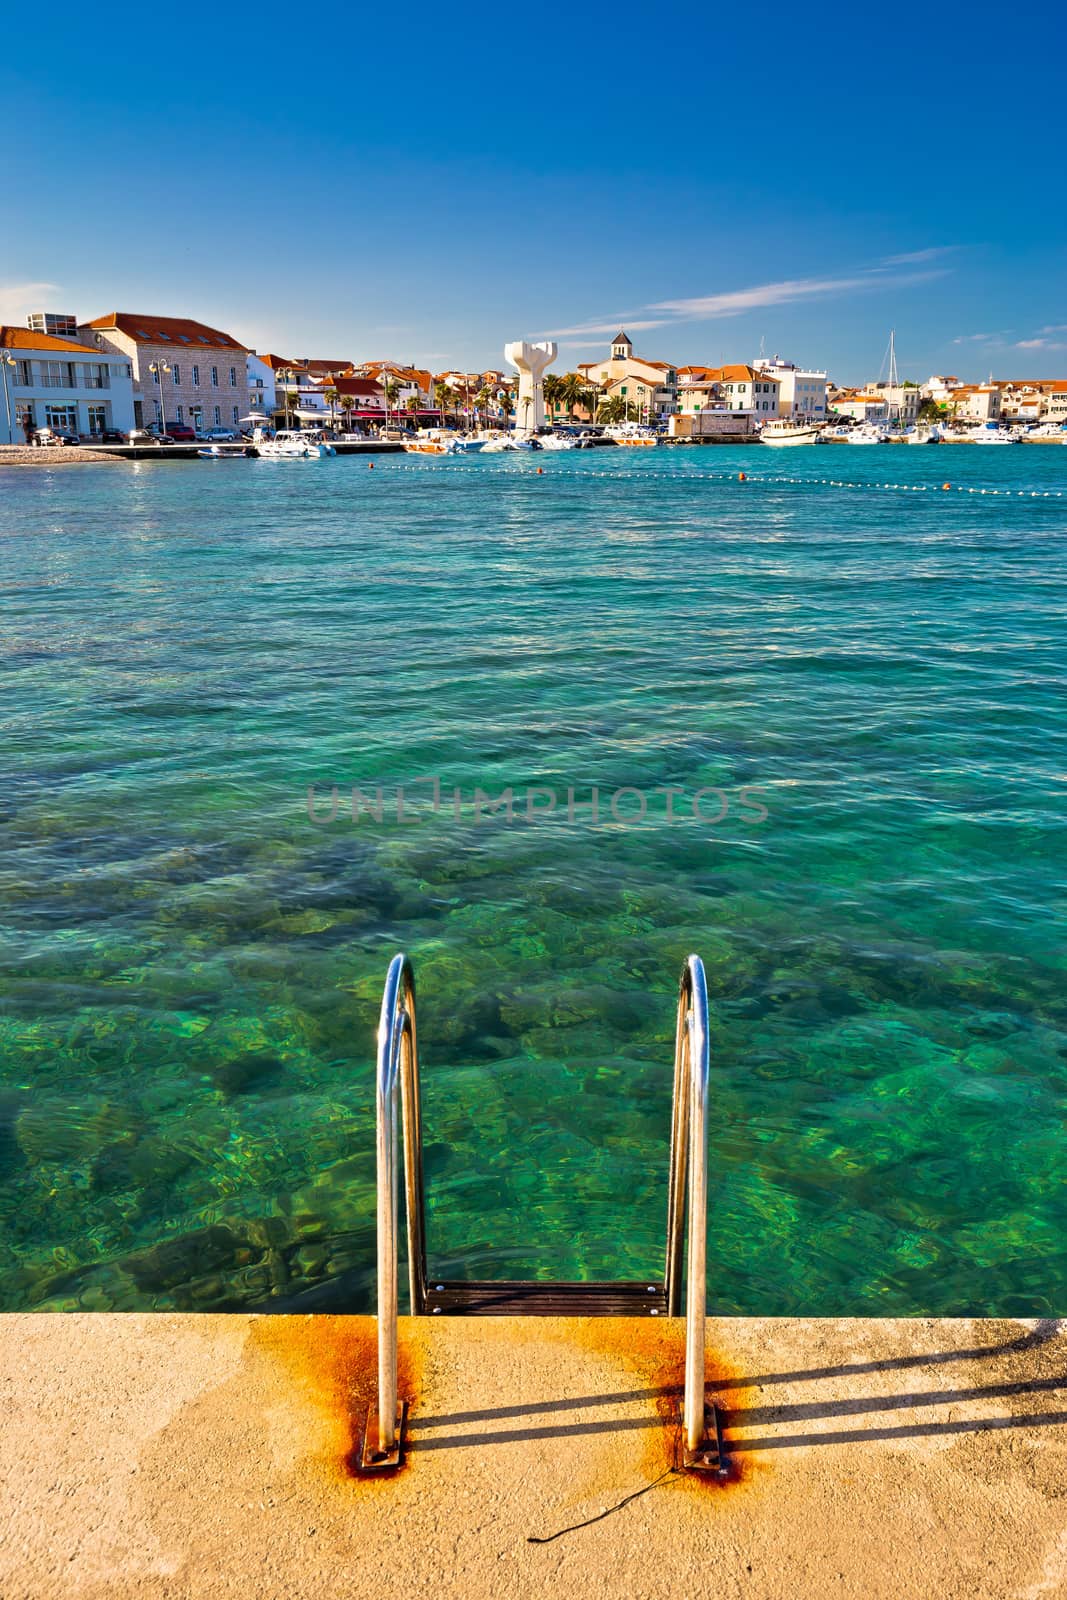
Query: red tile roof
{"type": "Point", "coordinates": [12, 338]}
{"type": "Point", "coordinates": [178, 331]}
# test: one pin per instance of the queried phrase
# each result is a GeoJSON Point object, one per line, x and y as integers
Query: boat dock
{"type": "Point", "coordinates": [191, 452]}
{"type": "Point", "coordinates": [184, 1457]}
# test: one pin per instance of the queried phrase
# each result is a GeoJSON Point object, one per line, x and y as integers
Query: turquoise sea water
{"type": "Point", "coordinates": [191, 968]}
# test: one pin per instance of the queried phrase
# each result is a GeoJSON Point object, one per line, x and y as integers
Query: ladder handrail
{"type": "Point", "coordinates": [398, 1068]}
{"type": "Point", "coordinates": [398, 1078]}
{"type": "Point", "coordinates": [689, 1160]}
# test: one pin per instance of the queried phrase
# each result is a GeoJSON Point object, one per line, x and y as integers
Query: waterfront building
{"type": "Point", "coordinates": [801, 390]}
{"type": "Point", "coordinates": [975, 402]}
{"type": "Point", "coordinates": [622, 373]}
{"type": "Point", "coordinates": [1034, 399]}
{"type": "Point", "coordinates": [939, 388]}
{"type": "Point", "coordinates": [262, 384]}
{"type": "Point", "coordinates": [61, 382]}
{"type": "Point", "coordinates": [735, 387]}
{"type": "Point", "coordinates": [412, 383]}
{"type": "Point", "coordinates": [183, 371]}
{"type": "Point", "coordinates": [364, 396]}
{"type": "Point", "coordinates": [902, 400]}
{"type": "Point", "coordinates": [864, 405]}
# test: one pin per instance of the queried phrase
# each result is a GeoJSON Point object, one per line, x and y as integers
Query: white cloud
{"type": "Point", "coordinates": [1038, 344]}
{"type": "Point", "coordinates": [609, 326]}
{"type": "Point", "coordinates": [913, 257]}
{"type": "Point", "coordinates": [1054, 327]}
{"type": "Point", "coordinates": [734, 302]}
{"type": "Point", "coordinates": [17, 300]}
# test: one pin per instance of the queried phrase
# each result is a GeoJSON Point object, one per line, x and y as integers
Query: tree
{"type": "Point", "coordinates": [929, 411]}
{"type": "Point", "coordinates": [553, 387]}
{"type": "Point", "coordinates": [612, 409]}
{"type": "Point", "coordinates": [575, 392]}
{"type": "Point", "coordinates": [505, 403]}
{"type": "Point", "coordinates": [392, 393]}
{"type": "Point", "coordinates": [333, 400]}
{"type": "Point", "coordinates": [445, 396]}
{"type": "Point", "coordinates": [287, 376]}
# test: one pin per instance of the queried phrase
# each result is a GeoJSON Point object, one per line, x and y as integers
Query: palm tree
{"type": "Point", "coordinates": [553, 390]}
{"type": "Point", "coordinates": [333, 399]}
{"type": "Point", "coordinates": [506, 408]}
{"type": "Point", "coordinates": [392, 395]}
{"type": "Point", "coordinates": [575, 392]}
{"type": "Point", "coordinates": [445, 397]}
{"type": "Point", "coordinates": [287, 376]}
{"type": "Point", "coordinates": [612, 410]}
{"type": "Point", "coordinates": [484, 399]}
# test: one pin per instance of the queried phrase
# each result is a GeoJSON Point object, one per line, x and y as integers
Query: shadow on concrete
{"type": "Point", "coordinates": [800, 1412]}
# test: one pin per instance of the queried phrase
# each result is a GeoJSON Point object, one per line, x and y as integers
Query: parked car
{"type": "Point", "coordinates": [218, 435]}
{"type": "Point", "coordinates": [56, 436]}
{"type": "Point", "coordinates": [109, 436]}
{"type": "Point", "coordinates": [148, 436]}
{"type": "Point", "coordinates": [182, 433]}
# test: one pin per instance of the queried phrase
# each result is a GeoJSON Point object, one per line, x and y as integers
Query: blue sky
{"type": "Point", "coordinates": [428, 182]}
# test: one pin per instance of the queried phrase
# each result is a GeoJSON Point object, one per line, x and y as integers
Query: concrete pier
{"type": "Point", "coordinates": [184, 1456]}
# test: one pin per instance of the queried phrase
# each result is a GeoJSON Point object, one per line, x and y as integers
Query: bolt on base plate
{"type": "Point", "coordinates": [372, 1458]}
{"type": "Point", "coordinates": [709, 1455]}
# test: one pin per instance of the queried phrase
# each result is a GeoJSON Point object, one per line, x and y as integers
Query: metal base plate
{"type": "Point", "coordinates": [709, 1456]}
{"type": "Point", "coordinates": [372, 1458]}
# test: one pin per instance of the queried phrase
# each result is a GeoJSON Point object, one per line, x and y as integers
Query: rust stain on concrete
{"type": "Point", "coordinates": [653, 1352]}
{"type": "Point", "coordinates": [332, 1361]}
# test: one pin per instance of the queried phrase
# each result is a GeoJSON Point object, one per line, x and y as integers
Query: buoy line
{"type": "Point", "coordinates": [748, 478]}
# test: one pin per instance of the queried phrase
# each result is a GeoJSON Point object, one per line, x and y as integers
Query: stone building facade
{"type": "Point", "coordinates": [183, 371]}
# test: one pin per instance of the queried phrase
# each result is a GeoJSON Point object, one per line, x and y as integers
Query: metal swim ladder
{"type": "Point", "coordinates": [398, 1080]}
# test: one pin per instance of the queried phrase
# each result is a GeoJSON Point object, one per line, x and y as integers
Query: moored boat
{"type": "Point", "coordinates": [788, 431]}
{"type": "Point", "coordinates": [294, 444]}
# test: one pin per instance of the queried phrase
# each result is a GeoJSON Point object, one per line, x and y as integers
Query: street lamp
{"type": "Point", "coordinates": [158, 368]}
{"type": "Point", "coordinates": [7, 360]}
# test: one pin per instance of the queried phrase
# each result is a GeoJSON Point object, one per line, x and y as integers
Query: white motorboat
{"type": "Point", "coordinates": [787, 431]}
{"type": "Point", "coordinates": [557, 441]}
{"type": "Point", "coordinates": [632, 434]}
{"type": "Point", "coordinates": [293, 444]}
{"type": "Point", "coordinates": [435, 442]}
{"type": "Point", "coordinates": [227, 452]}
{"type": "Point", "coordinates": [923, 433]}
{"type": "Point", "coordinates": [992, 436]}
{"type": "Point", "coordinates": [867, 433]}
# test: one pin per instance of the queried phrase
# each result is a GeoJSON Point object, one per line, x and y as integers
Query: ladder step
{"type": "Point", "coordinates": [494, 1298]}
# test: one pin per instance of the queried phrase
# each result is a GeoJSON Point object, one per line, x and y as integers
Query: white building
{"type": "Point", "coordinates": [61, 383]}
{"type": "Point", "coordinates": [801, 390]}
{"type": "Point", "coordinates": [261, 384]}
{"type": "Point", "coordinates": [735, 387]}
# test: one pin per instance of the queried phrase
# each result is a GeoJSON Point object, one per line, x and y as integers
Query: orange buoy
{"type": "Point", "coordinates": [946, 486]}
{"type": "Point", "coordinates": [539, 471]}
{"type": "Point", "coordinates": [740, 477]}
{"type": "Point", "coordinates": [371, 465]}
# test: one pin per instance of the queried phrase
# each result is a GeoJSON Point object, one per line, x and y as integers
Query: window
{"type": "Point", "coordinates": [196, 376]}
{"type": "Point", "coordinates": [214, 377]}
{"type": "Point", "coordinates": [218, 416]}
{"type": "Point", "coordinates": [179, 417]}
{"type": "Point", "coordinates": [24, 373]}
{"type": "Point", "coordinates": [155, 377]}
{"type": "Point", "coordinates": [97, 418]}
{"type": "Point", "coordinates": [233, 377]}
{"type": "Point", "coordinates": [64, 418]}
{"type": "Point", "coordinates": [177, 373]}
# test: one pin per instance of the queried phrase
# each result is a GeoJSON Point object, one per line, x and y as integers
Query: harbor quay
{"type": "Point", "coordinates": [194, 1457]}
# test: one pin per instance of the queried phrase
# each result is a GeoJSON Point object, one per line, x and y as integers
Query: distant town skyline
{"type": "Point", "coordinates": [751, 178]}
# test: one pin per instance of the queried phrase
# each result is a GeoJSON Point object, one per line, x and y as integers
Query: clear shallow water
{"type": "Point", "coordinates": [191, 969]}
